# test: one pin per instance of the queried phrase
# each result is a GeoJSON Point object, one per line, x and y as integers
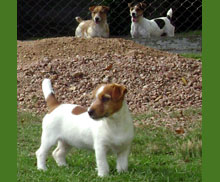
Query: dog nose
{"type": "Point", "coordinates": [133, 14]}
{"type": "Point", "coordinates": [91, 112]}
{"type": "Point", "coordinates": [96, 18]}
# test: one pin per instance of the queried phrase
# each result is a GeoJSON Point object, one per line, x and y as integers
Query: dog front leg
{"type": "Point", "coordinates": [145, 35]}
{"type": "Point", "coordinates": [101, 161]}
{"type": "Point", "coordinates": [133, 32]}
{"type": "Point", "coordinates": [105, 35]}
{"type": "Point", "coordinates": [122, 160]}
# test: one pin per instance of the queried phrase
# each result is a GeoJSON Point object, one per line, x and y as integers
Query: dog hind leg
{"type": "Point", "coordinates": [41, 154]}
{"type": "Point", "coordinates": [60, 152]}
{"type": "Point", "coordinates": [170, 31]}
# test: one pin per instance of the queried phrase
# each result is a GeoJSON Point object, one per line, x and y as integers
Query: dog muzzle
{"type": "Point", "coordinates": [134, 17]}
{"type": "Point", "coordinates": [97, 20]}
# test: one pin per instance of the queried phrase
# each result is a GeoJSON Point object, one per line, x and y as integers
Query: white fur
{"type": "Point", "coordinates": [99, 90]}
{"type": "Point", "coordinates": [148, 28]}
{"type": "Point", "coordinates": [113, 133]}
{"type": "Point", "coordinates": [170, 12]}
{"type": "Point", "coordinates": [96, 30]}
{"type": "Point", "coordinates": [47, 88]}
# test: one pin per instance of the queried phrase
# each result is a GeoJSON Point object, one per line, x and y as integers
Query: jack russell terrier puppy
{"type": "Point", "coordinates": [105, 127]}
{"type": "Point", "coordinates": [97, 27]}
{"type": "Point", "coordinates": [142, 27]}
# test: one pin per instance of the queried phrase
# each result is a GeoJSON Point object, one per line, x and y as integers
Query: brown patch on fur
{"type": "Point", "coordinates": [142, 5]}
{"type": "Point", "coordinates": [109, 101]}
{"type": "Point", "coordinates": [139, 8]}
{"type": "Point", "coordinates": [100, 11]}
{"type": "Point", "coordinates": [52, 102]}
{"type": "Point", "coordinates": [78, 110]}
{"type": "Point", "coordinates": [95, 90]}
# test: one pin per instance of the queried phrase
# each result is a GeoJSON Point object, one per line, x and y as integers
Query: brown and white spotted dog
{"type": "Point", "coordinates": [97, 26]}
{"type": "Point", "coordinates": [106, 126]}
{"type": "Point", "coordinates": [144, 28]}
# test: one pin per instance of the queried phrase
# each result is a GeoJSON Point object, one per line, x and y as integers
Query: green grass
{"type": "Point", "coordinates": [189, 33]}
{"type": "Point", "coordinates": [158, 154]}
{"type": "Point", "coordinates": [194, 56]}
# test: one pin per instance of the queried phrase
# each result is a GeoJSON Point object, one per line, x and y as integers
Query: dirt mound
{"type": "Point", "coordinates": [154, 79]}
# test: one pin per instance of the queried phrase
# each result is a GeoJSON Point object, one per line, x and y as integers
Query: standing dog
{"type": "Point", "coordinates": [97, 27]}
{"type": "Point", "coordinates": [106, 126]}
{"type": "Point", "coordinates": [142, 27]}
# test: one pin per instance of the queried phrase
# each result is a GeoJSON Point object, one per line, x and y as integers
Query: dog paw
{"type": "Point", "coordinates": [122, 170]}
{"type": "Point", "coordinates": [103, 174]}
{"type": "Point", "coordinates": [62, 164]}
{"type": "Point", "coordinates": [42, 168]}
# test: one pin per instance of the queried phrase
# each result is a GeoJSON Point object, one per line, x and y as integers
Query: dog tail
{"type": "Point", "coordinates": [170, 14]}
{"type": "Point", "coordinates": [49, 96]}
{"type": "Point", "coordinates": [78, 19]}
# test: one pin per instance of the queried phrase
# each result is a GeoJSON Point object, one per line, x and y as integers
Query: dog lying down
{"type": "Point", "coordinates": [106, 126]}
{"type": "Point", "coordinates": [97, 27]}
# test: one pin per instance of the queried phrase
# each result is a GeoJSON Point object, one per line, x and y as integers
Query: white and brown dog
{"type": "Point", "coordinates": [144, 28]}
{"type": "Point", "coordinates": [106, 126]}
{"type": "Point", "coordinates": [97, 27]}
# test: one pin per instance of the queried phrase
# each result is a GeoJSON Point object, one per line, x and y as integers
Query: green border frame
{"type": "Point", "coordinates": [211, 91]}
{"type": "Point", "coordinates": [8, 134]}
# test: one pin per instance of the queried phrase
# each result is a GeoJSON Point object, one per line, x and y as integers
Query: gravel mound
{"type": "Point", "coordinates": [154, 79]}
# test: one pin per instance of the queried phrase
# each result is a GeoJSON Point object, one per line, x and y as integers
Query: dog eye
{"type": "Point", "coordinates": [105, 99]}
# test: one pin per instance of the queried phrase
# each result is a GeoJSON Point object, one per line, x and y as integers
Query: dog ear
{"type": "Point", "coordinates": [106, 8]}
{"type": "Point", "coordinates": [92, 8]}
{"type": "Point", "coordinates": [129, 5]}
{"type": "Point", "coordinates": [143, 5]}
{"type": "Point", "coordinates": [118, 92]}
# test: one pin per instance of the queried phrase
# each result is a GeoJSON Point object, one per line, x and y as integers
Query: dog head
{"type": "Point", "coordinates": [136, 11]}
{"type": "Point", "coordinates": [99, 13]}
{"type": "Point", "coordinates": [108, 99]}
